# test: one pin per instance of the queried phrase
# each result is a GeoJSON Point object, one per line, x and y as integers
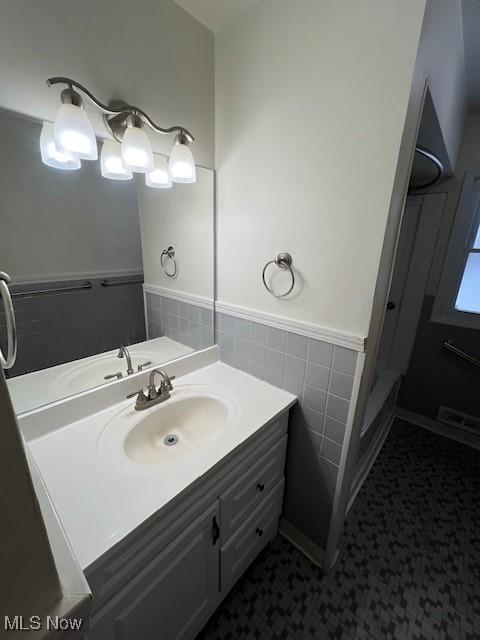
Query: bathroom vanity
{"type": "Point", "coordinates": [164, 531]}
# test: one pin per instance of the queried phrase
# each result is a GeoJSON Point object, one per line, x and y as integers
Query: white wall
{"type": "Point", "coordinates": [311, 100]}
{"type": "Point", "coordinates": [61, 224]}
{"type": "Point", "coordinates": [149, 52]}
{"type": "Point", "coordinates": [182, 217]}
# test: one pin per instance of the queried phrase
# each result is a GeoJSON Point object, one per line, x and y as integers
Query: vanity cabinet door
{"type": "Point", "coordinates": [171, 598]}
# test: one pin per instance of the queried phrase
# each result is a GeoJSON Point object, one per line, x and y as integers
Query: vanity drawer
{"type": "Point", "coordinates": [260, 528]}
{"type": "Point", "coordinates": [251, 488]}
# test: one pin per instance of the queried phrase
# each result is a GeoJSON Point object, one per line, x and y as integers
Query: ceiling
{"type": "Point", "coordinates": [216, 14]}
{"type": "Point", "coordinates": [471, 36]}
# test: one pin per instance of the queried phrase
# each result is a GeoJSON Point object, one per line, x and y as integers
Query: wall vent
{"type": "Point", "coordinates": [459, 420]}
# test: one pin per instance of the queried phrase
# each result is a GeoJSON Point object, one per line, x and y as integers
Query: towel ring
{"type": "Point", "coordinates": [284, 261]}
{"type": "Point", "coordinates": [168, 253]}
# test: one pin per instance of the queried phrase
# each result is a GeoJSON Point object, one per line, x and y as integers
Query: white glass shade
{"type": "Point", "coordinates": [74, 133]}
{"type": "Point", "coordinates": [181, 164]}
{"type": "Point", "coordinates": [136, 150]}
{"type": "Point", "coordinates": [111, 163]}
{"type": "Point", "coordinates": [51, 156]}
{"type": "Point", "coordinates": [159, 178]}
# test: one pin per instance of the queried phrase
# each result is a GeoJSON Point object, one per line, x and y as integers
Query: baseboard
{"type": "Point", "coordinates": [375, 449]}
{"type": "Point", "coordinates": [470, 439]}
{"type": "Point", "coordinates": [299, 540]}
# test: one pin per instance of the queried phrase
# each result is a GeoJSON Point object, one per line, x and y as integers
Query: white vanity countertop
{"type": "Point", "coordinates": [101, 498]}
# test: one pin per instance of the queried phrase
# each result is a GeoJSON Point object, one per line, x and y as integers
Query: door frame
{"type": "Point", "coordinates": [366, 361]}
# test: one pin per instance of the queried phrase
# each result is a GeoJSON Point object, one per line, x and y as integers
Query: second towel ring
{"type": "Point", "coordinates": [284, 261]}
{"type": "Point", "coordinates": [168, 253]}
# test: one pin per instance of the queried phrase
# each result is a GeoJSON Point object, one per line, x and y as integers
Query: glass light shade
{"type": "Point", "coordinates": [159, 178]}
{"type": "Point", "coordinates": [111, 163]}
{"type": "Point", "coordinates": [181, 164]}
{"type": "Point", "coordinates": [136, 150]}
{"type": "Point", "coordinates": [51, 156]}
{"type": "Point", "coordinates": [74, 133]}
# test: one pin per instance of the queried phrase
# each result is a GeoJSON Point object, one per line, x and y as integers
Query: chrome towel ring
{"type": "Point", "coordinates": [9, 361]}
{"type": "Point", "coordinates": [284, 261]}
{"type": "Point", "coordinates": [168, 253]}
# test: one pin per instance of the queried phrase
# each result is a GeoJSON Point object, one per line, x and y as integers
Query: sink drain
{"type": "Point", "coordinates": [170, 440]}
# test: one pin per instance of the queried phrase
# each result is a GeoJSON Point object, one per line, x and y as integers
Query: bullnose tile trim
{"type": "Point", "coordinates": [307, 329]}
{"type": "Point", "coordinates": [181, 296]}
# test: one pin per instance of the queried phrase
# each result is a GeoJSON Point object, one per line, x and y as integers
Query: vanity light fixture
{"type": "Point", "coordinates": [137, 152]}
{"type": "Point", "coordinates": [51, 156]}
{"type": "Point", "coordinates": [159, 178]}
{"type": "Point", "coordinates": [72, 129]}
{"type": "Point", "coordinates": [74, 134]}
{"type": "Point", "coordinates": [181, 164]}
{"type": "Point", "coordinates": [111, 162]}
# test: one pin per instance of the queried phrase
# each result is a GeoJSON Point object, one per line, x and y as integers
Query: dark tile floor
{"type": "Point", "coordinates": [409, 567]}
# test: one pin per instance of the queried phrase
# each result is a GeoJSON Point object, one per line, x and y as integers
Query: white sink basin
{"type": "Point", "coordinates": [194, 416]}
{"type": "Point", "coordinates": [176, 429]}
{"type": "Point", "coordinates": [91, 374]}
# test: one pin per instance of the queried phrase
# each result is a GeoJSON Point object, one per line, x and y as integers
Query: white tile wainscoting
{"type": "Point", "coordinates": [321, 374]}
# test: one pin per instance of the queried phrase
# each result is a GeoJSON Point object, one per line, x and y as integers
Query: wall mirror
{"type": "Point", "coordinates": [97, 265]}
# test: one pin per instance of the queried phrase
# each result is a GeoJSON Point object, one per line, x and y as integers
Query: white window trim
{"type": "Point", "coordinates": [458, 248]}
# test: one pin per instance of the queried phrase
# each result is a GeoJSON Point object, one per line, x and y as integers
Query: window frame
{"type": "Point", "coordinates": [460, 245]}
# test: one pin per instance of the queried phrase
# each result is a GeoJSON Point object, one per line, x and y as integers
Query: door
{"type": "Point", "coordinates": [416, 244]}
{"type": "Point", "coordinates": [171, 598]}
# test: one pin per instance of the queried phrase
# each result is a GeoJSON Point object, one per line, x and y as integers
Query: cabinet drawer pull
{"type": "Point", "coordinates": [215, 531]}
{"type": "Point", "coordinates": [259, 532]}
{"type": "Point", "coordinates": [260, 486]}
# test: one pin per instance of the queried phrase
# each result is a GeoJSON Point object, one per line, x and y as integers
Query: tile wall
{"type": "Point", "coordinates": [183, 322]}
{"type": "Point", "coordinates": [54, 328]}
{"type": "Point", "coordinates": [321, 375]}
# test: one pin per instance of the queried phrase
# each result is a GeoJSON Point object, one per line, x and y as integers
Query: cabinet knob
{"type": "Point", "coordinates": [259, 532]}
{"type": "Point", "coordinates": [260, 486]}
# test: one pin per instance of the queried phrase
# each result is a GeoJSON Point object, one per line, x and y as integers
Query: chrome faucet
{"type": "Point", "coordinates": [124, 353]}
{"type": "Point", "coordinates": [154, 395]}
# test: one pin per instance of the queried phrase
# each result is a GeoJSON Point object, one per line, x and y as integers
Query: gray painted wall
{"type": "Point", "coordinates": [436, 377]}
{"type": "Point", "coordinates": [61, 224]}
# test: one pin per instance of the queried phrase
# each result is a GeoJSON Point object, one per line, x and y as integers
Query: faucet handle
{"type": "Point", "coordinates": [139, 393]}
{"type": "Point", "coordinates": [110, 376]}
{"type": "Point", "coordinates": [167, 385]}
{"type": "Point", "coordinates": [142, 366]}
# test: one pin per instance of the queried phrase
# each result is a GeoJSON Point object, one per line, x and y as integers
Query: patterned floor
{"type": "Point", "coordinates": [409, 568]}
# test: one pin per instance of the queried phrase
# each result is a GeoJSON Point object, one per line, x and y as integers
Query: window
{"type": "Point", "coordinates": [458, 297]}
{"type": "Point", "coordinates": [468, 297]}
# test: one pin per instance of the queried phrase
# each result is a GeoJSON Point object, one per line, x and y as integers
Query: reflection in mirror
{"type": "Point", "coordinates": [84, 254]}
